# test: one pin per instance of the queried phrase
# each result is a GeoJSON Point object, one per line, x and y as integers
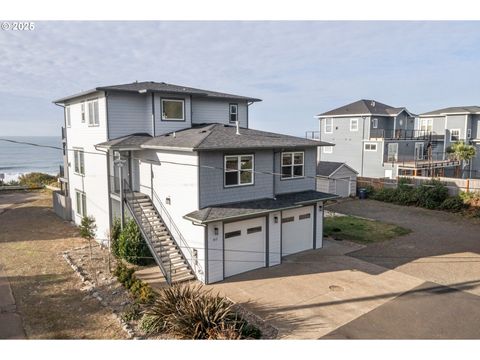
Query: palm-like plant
{"type": "Point", "coordinates": [462, 151]}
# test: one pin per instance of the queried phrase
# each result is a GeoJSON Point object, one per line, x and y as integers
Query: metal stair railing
{"type": "Point", "coordinates": [178, 238]}
{"type": "Point", "coordinates": [148, 232]}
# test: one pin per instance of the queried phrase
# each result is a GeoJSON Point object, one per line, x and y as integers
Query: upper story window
{"type": "Point", "coordinates": [79, 161]}
{"type": "Point", "coordinates": [327, 149]}
{"type": "Point", "coordinates": [353, 124]}
{"type": "Point", "coordinates": [454, 134]}
{"type": "Point", "coordinates": [375, 123]}
{"type": "Point", "coordinates": [82, 105]}
{"type": "Point", "coordinates": [173, 110]}
{"type": "Point", "coordinates": [238, 170]}
{"type": "Point", "coordinates": [68, 120]}
{"type": "Point", "coordinates": [328, 125]}
{"type": "Point", "coordinates": [370, 147]}
{"type": "Point", "coordinates": [81, 203]}
{"type": "Point", "coordinates": [426, 124]}
{"type": "Point", "coordinates": [292, 165]}
{"type": "Point", "coordinates": [93, 113]}
{"type": "Point", "coordinates": [233, 113]}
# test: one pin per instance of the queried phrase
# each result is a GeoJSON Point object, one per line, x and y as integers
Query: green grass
{"type": "Point", "coordinates": [360, 230]}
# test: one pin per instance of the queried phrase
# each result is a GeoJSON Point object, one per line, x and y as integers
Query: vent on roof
{"type": "Point", "coordinates": [372, 103]}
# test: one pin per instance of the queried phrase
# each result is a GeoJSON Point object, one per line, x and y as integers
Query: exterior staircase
{"type": "Point", "coordinates": [165, 250]}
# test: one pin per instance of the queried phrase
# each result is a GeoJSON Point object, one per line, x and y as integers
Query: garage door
{"type": "Point", "coordinates": [297, 230]}
{"type": "Point", "coordinates": [244, 247]}
{"type": "Point", "coordinates": [342, 187]}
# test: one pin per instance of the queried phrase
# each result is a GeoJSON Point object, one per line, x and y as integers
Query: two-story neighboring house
{"type": "Point", "coordinates": [378, 140]}
{"type": "Point", "coordinates": [461, 123]}
{"type": "Point", "coordinates": [212, 197]}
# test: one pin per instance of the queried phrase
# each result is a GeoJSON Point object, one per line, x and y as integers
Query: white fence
{"type": "Point", "coordinates": [455, 186]}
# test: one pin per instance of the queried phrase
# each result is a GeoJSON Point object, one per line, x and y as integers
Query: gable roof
{"type": "Point", "coordinates": [328, 168]}
{"type": "Point", "coordinates": [160, 87]}
{"type": "Point", "coordinates": [223, 137]}
{"type": "Point", "coordinates": [365, 108]}
{"type": "Point", "coordinates": [453, 110]}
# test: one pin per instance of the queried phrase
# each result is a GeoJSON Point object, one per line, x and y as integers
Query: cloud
{"type": "Point", "coordinates": [298, 68]}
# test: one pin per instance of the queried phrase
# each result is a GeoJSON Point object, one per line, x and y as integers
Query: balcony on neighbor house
{"type": "Point", "coordinates": [312, 135]}
{"type": "Point", "coordinates": [400, 134]}
{"type": "Point", "coordinates": [427, 161]}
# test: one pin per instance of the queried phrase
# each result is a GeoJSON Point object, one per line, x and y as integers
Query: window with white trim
{"type": "Point", "coordinates": [292, 165]}
{"type": "Point", "coordinates": [426, 124]}
{"type": "Point", "coordinates": [233, 113]}
{"type": "Point", "coordinates": [354, 124]}
{"type": "Point", "coordinates": [328, 126]}
{"type": "Point", "coordinates": [82, 106]}
{"type": "Point", "coordinates": [238, 170]}
{"type": "Point", "coordinates": [79, 161]}
{"type": "Point", "coordinates": [370, 147]}
{"type": "Point", "coordinates": [454, 134]}
{"type": "Point", "coordinates": [81, 203]}
{"type": "Point", "coordinates": [173, 109]}
{"type": "Point", "coordinates": [374, 123]}
{"type": "Point", "coordinates": [327, 149]}
{"type": "Point", "coordinates": [68, 120]}
{"type": "Point", "coordinates": [93, 113]}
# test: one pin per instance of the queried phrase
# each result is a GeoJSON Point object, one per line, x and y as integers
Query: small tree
{"type": "Point", "coordinates": [87, 231]}
{"type": "Point", "coordinates": [462, 152]}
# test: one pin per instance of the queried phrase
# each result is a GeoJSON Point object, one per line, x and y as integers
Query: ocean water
{"type": "Point", "coordinates": [17, 159]}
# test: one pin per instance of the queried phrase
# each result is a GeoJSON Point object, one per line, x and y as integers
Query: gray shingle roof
{"type": "Point", "coordinates": [161, 87]}
{"type": "Point", "coordinates": [364, 107]}
{"type": "Point", "coordinates": [224, 137]}
{"type": "Point", "coordinates": [257, 207]}
{"type": "Point", "coordinates": [327, 168]}
{"type": "Point", "coordinates": [130, 141]}
{"type": "Point", "coordinates": [454, 110]}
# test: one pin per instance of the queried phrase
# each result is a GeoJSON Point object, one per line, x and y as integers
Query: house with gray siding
{"type": "Point", "coordinates": [212, 197]}
{"type": "Point", "coordinates": [379, 140]}
{"type": "Point", "coordinates": [460, 123]}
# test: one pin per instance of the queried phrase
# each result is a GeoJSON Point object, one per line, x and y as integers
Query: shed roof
{"type": "Point", "coordinates": [328, 168]}
{"type": "Point", "coordinates": [257, 207]}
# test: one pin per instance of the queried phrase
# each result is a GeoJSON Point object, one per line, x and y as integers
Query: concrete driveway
{"type": "Point", "coordinates": [423, 285]}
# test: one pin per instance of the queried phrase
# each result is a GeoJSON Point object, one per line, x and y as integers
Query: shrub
{"type": "Point", "coordinates": [114, 236]}
{"type": "Point", "coordinates": [191, 313]}
{"type": "Point", "coordinates": [131, 246]}
{"type": "Point", "coordinates": [471, 198]}
{"type": "Point", "coordinates": [132, 312]}
{"type": "Point", "coordinates": [453, 204]}
{"type": "Point", "coordinates": [431, 194]}
{"type": "Point", "coordinates": [387, 195]}
{"type": "Point", "coordinates": [35, 179]}
{"type": "Point", "coordinates": [140, 290]}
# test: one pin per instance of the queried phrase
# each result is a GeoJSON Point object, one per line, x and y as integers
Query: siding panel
{"type": "Point", "coordinates": [217, 111]}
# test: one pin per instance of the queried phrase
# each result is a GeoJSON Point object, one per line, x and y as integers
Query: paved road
{"type": "Point", "coordinates": [443, 250]}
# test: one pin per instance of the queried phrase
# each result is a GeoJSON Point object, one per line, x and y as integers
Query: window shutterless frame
{"type": "Point", "coordinates": [79, 161]}
{"type": "Point", "coordinates": [374, 123]}
{"type": "Point", "coordinates": [455, 137]}
{"type": "Point", "coordinates": [327, 149]}
{"type": "Point", "coordinates": [92, 107]}
{"type": "Point", "coordinates": [81, 203]}
{"type": "Point", "coordinates": [370, 146]}
{"type": "Point", "coordinates": [238, 170]}
{"type": "Point", "coordinates": [354, 124]}
{"type": "Point", "coordinates": [82, 108]}
{"type": "Point", "coordinates": [293, 166]}
{"type": "Point", "coordinates": [328, 126]}
{"type": "Point", "coordinates": [162, 109]}
{"type": "Point", "coordinates": [232, 113]}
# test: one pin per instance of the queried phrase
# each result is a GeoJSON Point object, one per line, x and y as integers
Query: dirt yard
{"type": "Point", "coordinates": [46, 290]}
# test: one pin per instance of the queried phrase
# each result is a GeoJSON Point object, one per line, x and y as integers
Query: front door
{"type": "Point", "coordinates": [419, 148]}
{"type": "Point", "coordinates": [392, 152]}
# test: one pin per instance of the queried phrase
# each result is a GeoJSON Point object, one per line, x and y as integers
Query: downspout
{"type": "Point", "coordinates": [110, 215]}
{"type": "Point", "coordinates": [153, 114]}
{"type": "Point", "coordinates": [273, 176]}
{"type": "Point", "coordinates": [363, 143]}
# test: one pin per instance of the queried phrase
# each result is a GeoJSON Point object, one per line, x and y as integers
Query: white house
{"type": "Point", "coordinates": [212, 197]}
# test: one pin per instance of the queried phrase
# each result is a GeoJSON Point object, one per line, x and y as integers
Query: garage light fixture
{"type": "Point", "coordinates": [275, 219]}
{"type": "Point", "coordinates": [215, 230]}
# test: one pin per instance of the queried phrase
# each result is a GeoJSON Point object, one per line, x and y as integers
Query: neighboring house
{"type": "Point", "coordinates": [212, 197]}
{"type": "Point", "coordinates": [379, 140]}
{"type": "Point", "coordinates": [461, 123]}
{"type": "Point", "coordinates": [336, 178]}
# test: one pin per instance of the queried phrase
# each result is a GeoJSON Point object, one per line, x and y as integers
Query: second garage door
{"type": "Point", "coordinates": [244, 246]}
{"type": "Point", "coordinates": [297, 230]}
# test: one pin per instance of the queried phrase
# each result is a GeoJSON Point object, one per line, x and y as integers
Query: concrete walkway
{"type": "Point", "coordinates": [10, 322]}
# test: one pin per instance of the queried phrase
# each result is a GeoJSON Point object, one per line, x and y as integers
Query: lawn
{"type": "Point", "coordinates": [361, 230]}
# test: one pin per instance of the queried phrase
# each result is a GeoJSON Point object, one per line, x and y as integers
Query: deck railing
{"type": "Point", "coordinates": [400, 134]}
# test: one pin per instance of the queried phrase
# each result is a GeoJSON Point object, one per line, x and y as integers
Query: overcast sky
{"type": "Point", "coordinates": [299, 69]}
